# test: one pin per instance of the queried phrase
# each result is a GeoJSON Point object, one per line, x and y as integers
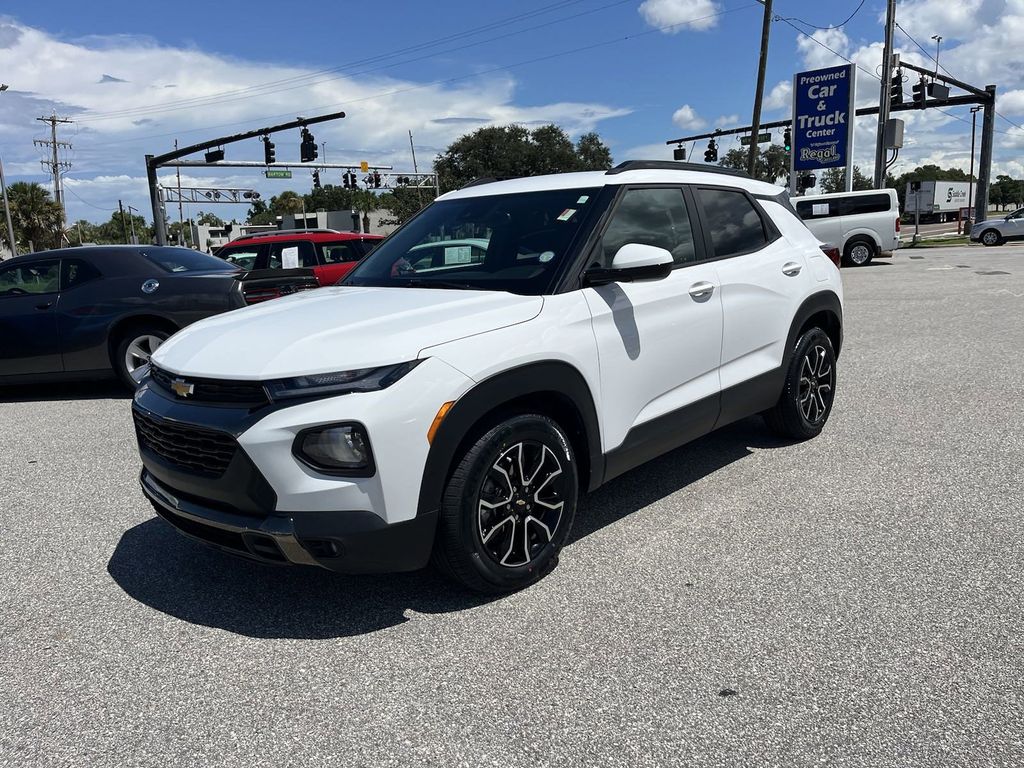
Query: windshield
{"type": "Point", "coordinates": [185, 260]}
{"type": "Point", "coordinates": [516, 243]}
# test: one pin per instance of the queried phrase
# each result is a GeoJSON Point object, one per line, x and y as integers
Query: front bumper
{"type": "Point", "coordinates": [346, 541]}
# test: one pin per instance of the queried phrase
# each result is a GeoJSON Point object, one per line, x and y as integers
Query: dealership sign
{"type": "Point", "coordinates": [823, 112]}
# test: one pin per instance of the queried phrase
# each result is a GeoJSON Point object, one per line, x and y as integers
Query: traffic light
{"type": "Point", "coordinates": [787, 140]}
{"type": "Point", "coordinates": [316, 179]}
{"type": "Point", "coordinates": [919, 93]}
{"type": "Point", "coordinates": [307, 149]}
{"type": "Point", "coordinates": [376, 180]}
{"type": "Point", "coordinates": [896, 88]}
{"type": "Point", "coordinates": [679, 153]}
{"type": "Point", "coordinates": [805, 181]}
{"type": "Point", "coordinates": [711, 155]}
{"type": "Point", "coordinates": [215, 155]}
{"type": "Point", "coordinates": [269, 156]}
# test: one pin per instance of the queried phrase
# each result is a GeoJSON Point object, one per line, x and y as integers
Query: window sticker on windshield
{"type": "Point", "coordinates": [566, 214]}
{"type": "Point", "coordinates": [583, 199]}
{"type": "Point", "coordinates": [458, 254]}
{"type": "Point", "coordinates": [819, 209]}
{"type": "Point", "coordinates": [546, 257]}
{"type": "Point", "coordinates": [290, 257]}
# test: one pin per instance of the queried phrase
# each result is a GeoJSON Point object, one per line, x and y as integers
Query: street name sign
{"type": "Point", "coordinates": [278, 173]}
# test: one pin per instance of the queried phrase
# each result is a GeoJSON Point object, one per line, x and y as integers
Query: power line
{"type": "Point", "coordinates": [265, 89]}
{"type": "Point", "coordinates": [835, 26]}
{"type": "Point", "coordinates": [442, 81]}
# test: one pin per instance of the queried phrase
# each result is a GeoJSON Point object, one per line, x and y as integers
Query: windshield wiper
{"type": "Point", "coordinates": [419, 282]}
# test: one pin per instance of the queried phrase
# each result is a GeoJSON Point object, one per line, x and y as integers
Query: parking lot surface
{"type": "Point", "coordinates": [855, 600]}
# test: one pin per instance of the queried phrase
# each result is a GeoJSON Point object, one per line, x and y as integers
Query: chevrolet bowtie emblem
{"type": "Point", "coordinates": [182, 388]}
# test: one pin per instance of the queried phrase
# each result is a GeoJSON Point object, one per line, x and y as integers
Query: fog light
{"type": "Point", "coordinates": [341, 449]}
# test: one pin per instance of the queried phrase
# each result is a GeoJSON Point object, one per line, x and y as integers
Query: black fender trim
{"type": "Point", "coordinates": [488, 396]}
{"type": "Point", "coordinates": [823, 301]}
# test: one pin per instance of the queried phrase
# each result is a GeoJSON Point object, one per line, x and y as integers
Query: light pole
{"type": "Point", "coordinates": [938, 42]}
{"type": "Point", "coordinates": [131, 219]}
{"type": "Point", "coordinates": [970, 179]}
{"type": "Point", "coordinates": [7, 205]}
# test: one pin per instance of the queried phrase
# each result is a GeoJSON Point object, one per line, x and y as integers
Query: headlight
{"type": "Point", "coordinates": [338, 383]}
{"type": "Point", "coordinates": [336, 449]}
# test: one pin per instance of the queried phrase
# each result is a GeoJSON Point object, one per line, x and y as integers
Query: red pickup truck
{"type": "Point", "coordinates": [328, 254]}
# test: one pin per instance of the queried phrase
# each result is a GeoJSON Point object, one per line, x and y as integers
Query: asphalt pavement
{"type": "Point", "coordinates": [855, 600]}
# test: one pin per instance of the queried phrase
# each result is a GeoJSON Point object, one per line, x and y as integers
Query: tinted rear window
{"type": "Point", "coordinates": [851, 206]}
{"type": "Point", "coordinates": [734, 223]}
{"type": "Point", "coordinates": [185, 260]}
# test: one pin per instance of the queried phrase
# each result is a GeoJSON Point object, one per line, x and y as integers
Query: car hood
{"type": "Point", "coordinates": [337, 329]}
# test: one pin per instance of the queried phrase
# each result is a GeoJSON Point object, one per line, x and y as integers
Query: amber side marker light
{"type": "Point", "coordinates": [436, 423]}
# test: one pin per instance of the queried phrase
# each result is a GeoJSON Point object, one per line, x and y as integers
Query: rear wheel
{"type": "Point", "coordinates": [859, 253]}
{"type": "Point", "coordinates": [508, 506]}
{"type": "Point", "coordinates": [133, 350]}
{"type": "Point", "coordinates": [991, 237]}
{"type": "Point", "coordinates": [809, 391]}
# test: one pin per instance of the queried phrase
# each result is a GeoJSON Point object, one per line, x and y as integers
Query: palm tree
{"type": "Point", "coordinates": [36, 217]}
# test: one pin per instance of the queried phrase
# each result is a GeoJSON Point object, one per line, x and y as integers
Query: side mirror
{"type": "Point", "coordinates": [633, 263]}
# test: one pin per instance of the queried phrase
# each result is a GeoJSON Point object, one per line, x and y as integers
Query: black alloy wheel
{"type": "Point", "coordinates": [809, 390]}
{"type": "Point", "coordinates": [508, 506]}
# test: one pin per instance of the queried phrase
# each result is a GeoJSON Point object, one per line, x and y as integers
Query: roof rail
{"type": "Point", "coordinates": [673, 165]}
{"type": "Point", "coordinates": [275, 232]}
{"type": "Point", "coordinates": [481, 180]}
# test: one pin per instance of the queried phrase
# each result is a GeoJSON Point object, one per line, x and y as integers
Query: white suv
{"type": "Point", "coordinates": [455, 410]}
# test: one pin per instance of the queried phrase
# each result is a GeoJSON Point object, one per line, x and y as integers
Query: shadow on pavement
{"type": "Point", "coordinates": [106, 389]}
{"type": "Point", "coordinates": [159, 567]}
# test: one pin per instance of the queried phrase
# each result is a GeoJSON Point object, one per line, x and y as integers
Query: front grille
{"type": "Point", "coordinates": [194, 448]}
{"type": "Point", "coordinates": [223, 391]}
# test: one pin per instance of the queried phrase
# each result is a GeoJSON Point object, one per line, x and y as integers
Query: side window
{"type": "Point", "coordinates": [859, 204]}
{"type": "Point", "coordinates": [41, 277]}
{"type": "Point", "coordinates": [242, 256]}
{"type": "Point", "coordinates": [292, 255]}
{"type": "Point", "coordinates": [651, 217]}
{"type": "Point", "coordinates": [74, 272]}
{"type": "Point", "coordinates": [336, 253]}
{"type": "Point", "coordinates": [734, 223]}
{"type": "Point", "coordinates": [816, 209]}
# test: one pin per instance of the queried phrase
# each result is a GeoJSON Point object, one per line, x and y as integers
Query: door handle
{"type": "Point", "coordinates": [701, 290]}
{"type": "Point", "coordinates": [791, 269]}
{"type": "Point", "coordinates": [47, 305]}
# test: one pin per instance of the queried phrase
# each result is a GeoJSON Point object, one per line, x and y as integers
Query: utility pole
{"type": "Point", "coordinates": [181, 215]}
{"type": "Point", "coordinates": [7, 212]}
{"type": "Point", "coordinates": [55, 165]}
{"type": "Point", "coordinates": [131, 220]}
{"type": "Point", "coordinates": [766, 26]}
{"type": "Point", "coordinates": [415, 169]}
{"type": "Point", "coordinates": [970, 186]}
{"type": "Point", "coordinates": [124, 226]}
{"type": "Point", "coordinates": [883, 94]}
{"type": "Point", "coordinates": [988, 125]}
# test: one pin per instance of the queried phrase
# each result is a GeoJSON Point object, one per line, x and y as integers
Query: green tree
{"type": "Point", "coordinates": [772, 163]}
{"type": "Point", "coordinates": [35, 216]}
{"type": "Point", "coordinates": [209, 219]}
{"type": "Point", "coordinates": [403, 203]}
{"type": "Point", "coordinates": [512, 151]}
{"type": "Point", "coordinates": [834, 180]}
{"type": "Point", "coordinates": [330, 197]}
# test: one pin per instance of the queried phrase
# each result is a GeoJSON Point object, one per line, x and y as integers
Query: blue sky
{"type": "Point", "coordinates": [123, 74]}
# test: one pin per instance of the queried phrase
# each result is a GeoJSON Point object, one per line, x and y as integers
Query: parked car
{"type": "Point", "coordinates": [862, 224]}
{"type": "Point", "coordinates": [329, 254]}
{"type": "Point", "coordinates": [457, 414]}
{"type": "Point", "coordinates": [998, 231]}
{"type": "Point", "coordinates": [89, 312]}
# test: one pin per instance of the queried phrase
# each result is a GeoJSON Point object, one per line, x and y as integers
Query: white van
{"type": "Point", "coordinates": [861, 224]}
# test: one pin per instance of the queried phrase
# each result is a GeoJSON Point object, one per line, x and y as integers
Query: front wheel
{"type": "Point", "coordinates": [809, 390]}
{"type": "Point", "coordinates": [132, 353]}
{"type": "Point", "coordinates": [991, 237]}
{"type": "Point", "coordinates": [508, 506]}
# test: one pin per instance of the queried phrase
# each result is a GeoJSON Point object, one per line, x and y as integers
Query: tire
{"type": "Point", "coordinates": [991, 237]}
{"type": "Point", "coordinates": [858, 253]}
{"type": "Point", "coordinates": [799, 414]}
{"type": "Point", "coordinates": [494, 535]}
{"type": "Point", "coordinates": [132, 351]}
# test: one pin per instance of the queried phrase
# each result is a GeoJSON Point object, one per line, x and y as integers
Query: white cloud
{"type": "Point", "coordinates": [678, 15]}
{"type": "Point", "coordinates": [728, 121]}
{"type": "Point", "coordinates": [780, 97]}
{"type": "Point", "coordinates": [116, 124]}
{"type": "Point", "coordinates": [1012, 102]}
{"type": "Point", "coordinates": [686, 117]}
{"type": "Point", "coordinates": [659, 151]}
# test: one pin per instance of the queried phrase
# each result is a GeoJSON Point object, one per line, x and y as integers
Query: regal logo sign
{"type": "Point", "coordinates": [823, 111]}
